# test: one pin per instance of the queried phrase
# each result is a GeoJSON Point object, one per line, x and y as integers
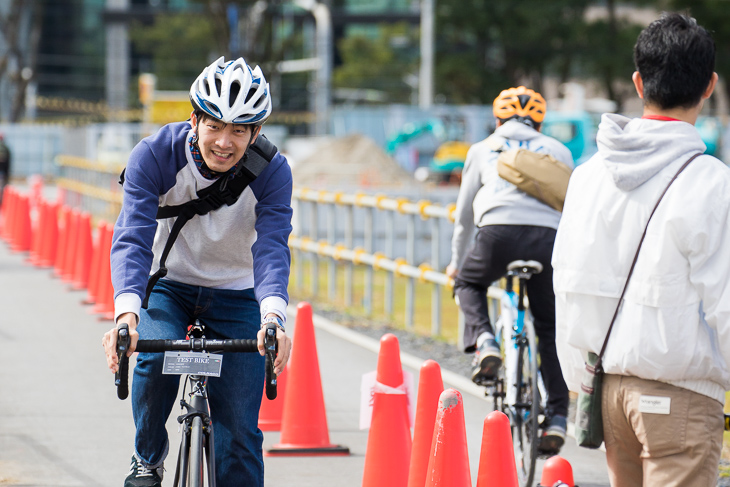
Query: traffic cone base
{"type": "Point", "coordinates": [284, 450]}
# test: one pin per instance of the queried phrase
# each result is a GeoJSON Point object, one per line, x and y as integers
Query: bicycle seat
{"type": "Point", "coordinates": [525, 267]}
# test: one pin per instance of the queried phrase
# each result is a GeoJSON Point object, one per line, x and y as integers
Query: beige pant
{"type": "Point", "coordinates": [645, 448]}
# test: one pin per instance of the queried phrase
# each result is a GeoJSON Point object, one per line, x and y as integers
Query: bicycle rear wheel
{"type": "Point", "coordinates": [524, 414]}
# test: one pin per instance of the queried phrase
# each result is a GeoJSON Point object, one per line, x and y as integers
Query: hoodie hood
{"type": "Point", "coordinates": [512, 129]}
{"type": "Point", "coordinates": [634, 150]}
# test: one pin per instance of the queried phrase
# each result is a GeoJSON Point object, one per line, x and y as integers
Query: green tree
{"type": "Point", "coordinates": [179, 45]}
{"type": "Point", "coordinates": [384, 62]}
{"type": "Point", "coordinates": [484, 47]}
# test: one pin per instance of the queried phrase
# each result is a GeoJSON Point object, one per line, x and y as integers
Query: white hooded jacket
{"type": "Point", "coordinates": [674, 322]}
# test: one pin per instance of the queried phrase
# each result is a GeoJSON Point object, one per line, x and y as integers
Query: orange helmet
{"type": "Point", "coordinates": [520, 102]}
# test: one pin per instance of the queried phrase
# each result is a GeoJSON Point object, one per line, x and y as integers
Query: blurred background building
{"type": "Point", "coordinates": [414, 77]}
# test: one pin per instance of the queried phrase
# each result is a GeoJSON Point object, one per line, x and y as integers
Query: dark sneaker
{"type": "Point", "coordinates": [141, 476]}
{"type": "Point", "coordinates": [553, 435]}
{"type": "Point", "coordinates": [487, 361]}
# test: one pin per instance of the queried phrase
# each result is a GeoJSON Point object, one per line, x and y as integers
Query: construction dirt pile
{"type": "Point", "coordinates": [351, 161]}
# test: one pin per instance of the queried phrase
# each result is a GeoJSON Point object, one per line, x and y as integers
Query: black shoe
{"type": "Point", "coordinates": [487, 361]}
{"type": "Point", "coordinates": [553, 435]}
{"type": "Point", "coordinates": [141, 476]}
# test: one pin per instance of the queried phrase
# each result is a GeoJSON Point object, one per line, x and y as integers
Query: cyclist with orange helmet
{"type": "Point", "coordinates": [509, 225]}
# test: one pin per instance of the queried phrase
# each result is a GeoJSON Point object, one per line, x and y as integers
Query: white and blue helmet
{"type": "Point", "coordinates": [232, 93]}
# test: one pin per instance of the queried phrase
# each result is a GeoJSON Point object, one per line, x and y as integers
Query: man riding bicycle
{"type": "Point", "coordinates": [228, 267]}
{"type": "Point", "coordinates": [510, 225]}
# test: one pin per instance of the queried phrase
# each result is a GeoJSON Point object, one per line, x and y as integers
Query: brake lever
{"type": "Point", "coordinates": [271, 347]}
{"type": "Point", "coordinates": [121, 377]}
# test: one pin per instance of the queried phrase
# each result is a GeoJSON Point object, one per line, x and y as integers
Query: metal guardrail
{"type": "Point", "coordinates": [94, 187]}
{"type": "Point", "coordinates": [91, 186]}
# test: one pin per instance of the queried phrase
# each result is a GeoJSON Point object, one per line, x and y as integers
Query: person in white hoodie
{"type": "Point", "coordinates": [509, 225]}
{"type": "Point", "coordinates": [666, 361]}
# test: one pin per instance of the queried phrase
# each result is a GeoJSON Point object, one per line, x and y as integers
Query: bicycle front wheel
{"type": "Point", "coordinates": [524, 414]}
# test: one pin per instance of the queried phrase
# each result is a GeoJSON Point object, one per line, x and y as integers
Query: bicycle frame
{"type": "Point", "coordinates": [515, 393]}
{"type": "Point", "coordinates": [197, 437]}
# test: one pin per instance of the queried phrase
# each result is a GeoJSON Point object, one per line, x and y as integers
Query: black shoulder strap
{"type": "Point", "coordinates": [224, 191]}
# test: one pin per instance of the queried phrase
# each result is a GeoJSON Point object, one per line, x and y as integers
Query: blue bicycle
{"type": "Point", "coordinates": [518, 390]}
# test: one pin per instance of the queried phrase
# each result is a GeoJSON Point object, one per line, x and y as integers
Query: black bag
{"type": "Point", "coordinates": [589, 410]}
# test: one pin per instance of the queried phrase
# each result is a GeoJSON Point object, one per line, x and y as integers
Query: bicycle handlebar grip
{"type": "Point", "coordinates": [241, 345]}
{"type": "Point", "coordinates": [271, 346]}
{"type": "Point", "coordinates": [121, 378]}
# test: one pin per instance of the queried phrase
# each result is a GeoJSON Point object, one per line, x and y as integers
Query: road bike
{"type": "Point", "coordinates": [518, 390]}
{"type": "Point", "coordinates": [198, 359]}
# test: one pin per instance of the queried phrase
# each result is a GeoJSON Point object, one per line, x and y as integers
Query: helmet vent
{"type": "Point", "coordinates": [233, 94]}
{"type": "Point", "coordinates": [524, 100]}
{"type": "Point", "coordinates": [251, 93]}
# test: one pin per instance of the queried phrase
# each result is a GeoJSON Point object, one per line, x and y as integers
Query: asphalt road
{"type": "Point", "coordinates": [61, 423]}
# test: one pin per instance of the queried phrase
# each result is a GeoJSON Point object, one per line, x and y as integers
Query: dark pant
{"type": "Point", "coordinates": [496, 246]}
{"type": "Point", "coordinates": [235, 396]}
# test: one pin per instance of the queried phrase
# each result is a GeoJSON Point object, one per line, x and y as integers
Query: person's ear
{"type": "Point", "coordinates": [256, 132]}
{"type": "Point", "coordinates": [710, 87]}
{"type": "Point", "coordinates": [194, 121]}
{"type": "Point", "coordinates": [638, 84]}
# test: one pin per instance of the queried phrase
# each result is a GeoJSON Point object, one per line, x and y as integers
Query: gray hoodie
{"type": "Point", "coordinates": [487, 199]}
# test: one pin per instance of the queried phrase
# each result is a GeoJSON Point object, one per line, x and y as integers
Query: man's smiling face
{"type": "Point", "coordinates": [222, 144]}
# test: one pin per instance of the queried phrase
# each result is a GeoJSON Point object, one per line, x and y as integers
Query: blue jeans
{"type": "Point", "coordinates": [235, 396]}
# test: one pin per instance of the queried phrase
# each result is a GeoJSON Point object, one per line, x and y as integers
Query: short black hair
{"type": "Point", "coordinates": [676, 59]}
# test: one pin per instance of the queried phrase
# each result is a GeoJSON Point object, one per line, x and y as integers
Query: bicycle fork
{"type": "Point", "coordinates": [197, 439]}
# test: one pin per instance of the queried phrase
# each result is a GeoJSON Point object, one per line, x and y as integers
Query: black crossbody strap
{"type": "Point", "coordinates": [598, 365]}
{"type": "Point", "coordinates": [224, 191]}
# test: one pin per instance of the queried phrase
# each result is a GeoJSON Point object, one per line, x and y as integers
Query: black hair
{"type": "Point", "coordinates": [526, 120]}
{"type": "Point", "coordinates": [676, 59]}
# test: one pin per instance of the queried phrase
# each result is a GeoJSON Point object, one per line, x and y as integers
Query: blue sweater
{"type": "Point", "coordinates": [241, 246]}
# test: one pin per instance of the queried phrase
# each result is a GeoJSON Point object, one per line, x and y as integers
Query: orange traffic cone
{"type": "Point", "coordinates": [557, 470]}
{"type": "Point", "coordinates": [304, 420]}
{"type": "Point", "coordinates": [271, 411]}
{"type": "Point", "coordinates": [82, 265]}
{"type": "Point", "coordinates": [92, 292]}
{"type": "Point", "coordinates": [39, 234]}
{"type": "Point", "coordinates": [22, 231]}
{"type": "Point", "coordinates": [9, 203]}
{"type": "Point", "coordinates": [497, 466]}
{"type": "Point", "coordinates": [105, 297]}
{"type": "Point", "coordinates": [49, 235]}
{"type": "Point", "coordinates": [4, 199]}
{"type": "Point", "coordinates": [72, 244]}
{"type": "Point", "coordinates": [64, 218]}
{"type": "Point", "coordinates": [448, 464]}
{"type": "Point", "coordinates": [430, 387]}
{"type": "Point", "coordinates": [390, 370]}
{"type": "Point", "coordinates": [388, 450]}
